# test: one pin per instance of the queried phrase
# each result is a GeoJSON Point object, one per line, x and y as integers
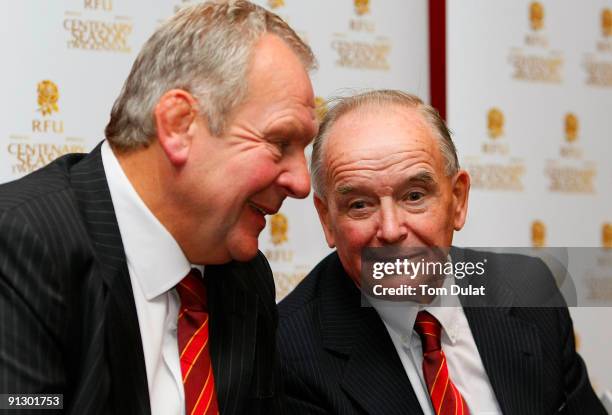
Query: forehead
{"type": "Point", "coordinates": [380, 132]}
{"type": "Point", "coordinates": [274, 69]}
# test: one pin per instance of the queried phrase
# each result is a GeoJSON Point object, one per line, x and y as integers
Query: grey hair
{"type": "Point", "coordinates": [378, 98]}
{"type": "Point", "coordinates": [205, 50]}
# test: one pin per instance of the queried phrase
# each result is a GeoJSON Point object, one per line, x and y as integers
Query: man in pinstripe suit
{"type": "Point", "coordinates": [385, 174]}
{"type": "Point", "coordinates": [205, 140]}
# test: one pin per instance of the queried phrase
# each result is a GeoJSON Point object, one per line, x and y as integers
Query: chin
{"type": "Point", "coordinates": [244, 252]}
{"type": "Point", "coordinates": [207, 259]}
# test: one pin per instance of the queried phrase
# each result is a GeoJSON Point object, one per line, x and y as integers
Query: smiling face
{"type": "Point", "coordinates": [386, 185]}
{"type": "Point", "coordinates": [245, 174]}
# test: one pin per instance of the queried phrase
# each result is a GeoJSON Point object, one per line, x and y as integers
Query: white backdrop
{"type": "Point", "coordinates": [529, 98]}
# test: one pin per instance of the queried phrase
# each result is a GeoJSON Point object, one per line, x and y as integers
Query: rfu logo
{"type": "Point", "coordinates": [320, 108]}
{"type": "Point", "coordinates": [606, 235]}
{"type": "Point", "coordinates": [48, 95]}
{"type": "Point", "coordinates": [362, 7]}
{"type": "Point", "coordinates": [495, 123]}
{"type": "Point", "coordinates": [536, 15]}
{"type": "Point", "coordinates": [278, 228]}
{"type": "Point", "coordinates": [275, 4]}
{"type": "Point", "coordinates": [571, 127]}
{"type": "Point", "coordinates": [606, 22]}
{"type": "Point", "coordinates": [538, 234]}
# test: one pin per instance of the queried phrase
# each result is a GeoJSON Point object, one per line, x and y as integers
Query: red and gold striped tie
{"type": "Point", "coordinates": [196, 367]}
{"type": "Point", "coordinates": [445, 397]}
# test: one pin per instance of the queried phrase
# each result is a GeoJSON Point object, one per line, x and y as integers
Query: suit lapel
{"type": "Point", "coordinates": [511, 354]}
{"type": "Point", "coordinates": [121, 332]}
{"type": "Point", "coordinates": [233, 335]}
{"type": "Point", "coordinates": [509, 346]}
{"type": "Point", "coordinates": [373, 376]}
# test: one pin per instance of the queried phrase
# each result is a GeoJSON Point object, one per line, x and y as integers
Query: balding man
{"type": "Point", "coordinates": [102, 297]}
{"type": "Point", "coordinates": [386, 175]}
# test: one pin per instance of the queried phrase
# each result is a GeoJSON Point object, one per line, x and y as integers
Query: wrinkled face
{"type": "Point", "coordinates": [386, 185]}
{"type": "Point", "coordinates": [245, 174]}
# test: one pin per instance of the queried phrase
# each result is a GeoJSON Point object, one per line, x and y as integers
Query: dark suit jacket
{"type": "Point", "coordinates": [68, 321]}
{"type": "Point", "coordinates": [337, 357]}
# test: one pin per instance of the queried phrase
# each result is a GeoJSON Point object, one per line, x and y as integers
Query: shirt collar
{"type": "Point", "coordinates": [400, 317]}
{"type": "Point", "coordinates": [152, 253]}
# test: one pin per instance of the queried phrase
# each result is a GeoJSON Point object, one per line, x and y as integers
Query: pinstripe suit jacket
{"type": "Point", "coordinates": [68, 322]}
{"type": "Point", "coordinates": [337, 357]}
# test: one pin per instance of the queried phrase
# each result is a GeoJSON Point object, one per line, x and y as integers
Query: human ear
{"type": "Point", "coordinates": [323, 212]}
{"type": "Point", "coordinates": [461, 189]}
{"type": "Point", "coordinates": [175, 114]}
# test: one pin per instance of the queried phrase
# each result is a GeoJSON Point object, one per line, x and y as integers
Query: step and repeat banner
{"type": "Point", "coordinates": [529, 101]}
{"type": "Point", "coordinates": [529, 95]}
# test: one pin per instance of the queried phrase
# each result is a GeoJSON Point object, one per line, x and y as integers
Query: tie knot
{"type": "Point", "coordinates": [428, 328]}
{"type": "Point", "coordinates": [192, 291]}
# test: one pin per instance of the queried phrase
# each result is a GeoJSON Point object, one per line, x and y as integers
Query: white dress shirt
{"type": "Point", "coordinates": [464, 364]}
{"type": "Point", "coordinates": [156, 264]}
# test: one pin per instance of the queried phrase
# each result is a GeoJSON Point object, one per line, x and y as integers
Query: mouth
{"type": "Point", "coordinates": [262, 209]}
{"type": "Point", "coordinates": [411, 254]}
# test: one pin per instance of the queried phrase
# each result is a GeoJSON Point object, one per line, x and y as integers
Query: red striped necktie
{"type": "Point", "coordinates": [445, 397]}
{"type": "Point", "coordinates": [194, 349]}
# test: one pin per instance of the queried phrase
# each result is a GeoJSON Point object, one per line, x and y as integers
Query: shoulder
{"type": "Point", "coordinates": [499, 260]}
{"type": "Point", "coordinates": [40, 186]}
{"type": "Point", "coordinates": [308, 292]}
{"type": "Point", "coordinates": [42, 234]}
{"type": "Point", "coordinates": [40, 209]}
{"type": "Point", "coordinates": [527, 284]}
{"type": "Point", "coordinates": [523, 273]}
{"type": "Point", "coordinates": [40, 245]}
{"type": "Point", "coordinates": [39, 204]}
{"type": "Point", "coordinates": [320, 301]}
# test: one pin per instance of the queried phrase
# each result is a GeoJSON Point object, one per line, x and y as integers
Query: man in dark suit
{"type": "Point", "coordinates": [102, 297]}
{"type": "Point", "coordinates": [385, 174]}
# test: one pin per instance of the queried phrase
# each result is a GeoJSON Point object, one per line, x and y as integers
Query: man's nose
{"type": "Point", "coordinates": [391, 229]}
{"type": "Point", "coordinates": [296, 179]}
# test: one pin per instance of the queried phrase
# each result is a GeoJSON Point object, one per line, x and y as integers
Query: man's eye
{"type": "Point", "coordinates": [282, 145]}
{"type": "Point", "coordinates": [360, 204]}
{"type": "Point", "coordinates": [414, 196]}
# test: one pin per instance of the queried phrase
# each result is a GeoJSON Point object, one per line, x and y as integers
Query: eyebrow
{"type": "Point", "coordinates": [424, 177]}
{"type": "Point", "coordinates": [344, 189]}
{"type": "Point", "coordinates": [292, 129]}
{"type": "Point", "coordinates": [283, 129]}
